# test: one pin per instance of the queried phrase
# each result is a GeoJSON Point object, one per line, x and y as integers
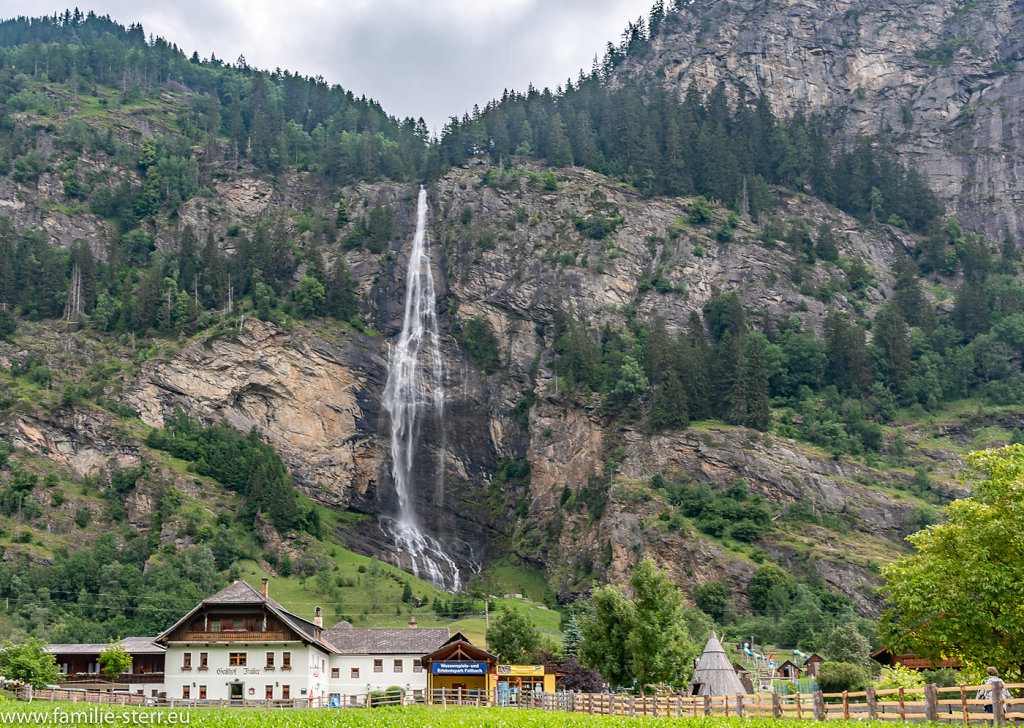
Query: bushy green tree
{"type": "Point", "coordinates": [768, 586]}
{"type": "Point", "coordinates": [643, 638]}
{"type": "Point", "coordinates": [714, 599]}
{"type": "Point", "coordinates": [845, 643]}
{"type": "Point", "coordinates": [114, 660]}
{"type": "Point", "coordinates": [513, 637]}
{"type": "Point", "coordinates": [835, 677]}
{"type": "Point", "coordinates": [958, 594]}
{"type": "Point", "coordinates": [30, 662]}
{"type": "Point", "coordinates": [310, 297]}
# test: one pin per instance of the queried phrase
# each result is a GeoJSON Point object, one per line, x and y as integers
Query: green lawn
{"type": "Point", "coordinates": [412, 717]}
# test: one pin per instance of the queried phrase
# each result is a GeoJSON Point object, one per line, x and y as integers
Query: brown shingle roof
{"type": "Point", "coordinates": [132, 645]}
{"type": "Point", "coordinates": [241, 592]}
{"type": "Point", "coordinates": [380, 641]}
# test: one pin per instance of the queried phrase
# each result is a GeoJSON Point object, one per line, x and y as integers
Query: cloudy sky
{"type": "Point", "coordinates": [429, 58]}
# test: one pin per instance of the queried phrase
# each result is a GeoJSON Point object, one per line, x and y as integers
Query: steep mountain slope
{"type": "Point", "coordinates": [943, 77]}
{"type": "Point", "coordinates": [627, 375]}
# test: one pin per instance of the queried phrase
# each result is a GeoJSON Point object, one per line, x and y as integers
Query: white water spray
{"type": "Point", "coordinates": [414, 385]}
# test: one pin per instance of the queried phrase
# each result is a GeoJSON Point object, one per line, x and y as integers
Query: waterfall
{"type": "Point", "coordinates": [415, 386]}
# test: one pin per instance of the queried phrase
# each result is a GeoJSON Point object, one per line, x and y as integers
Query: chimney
{"type": "Point", "coordinates": [412, 622]}
{"type": "Point", "coordinates": [266, 587]}
{"type": "Point", "coordinates": [318, 617]}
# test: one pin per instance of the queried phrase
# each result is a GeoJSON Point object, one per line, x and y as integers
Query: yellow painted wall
{"type": "Point", "coordinates": [472, 682]}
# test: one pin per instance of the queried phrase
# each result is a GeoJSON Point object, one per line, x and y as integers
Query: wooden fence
{"type": "Point", "coordinates": [928, 704]}
{"type": "Point", "coordinates": [78, 695]}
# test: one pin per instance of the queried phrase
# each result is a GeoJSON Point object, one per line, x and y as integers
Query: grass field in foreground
{"type": "Point", "coordinates": [410, 717]}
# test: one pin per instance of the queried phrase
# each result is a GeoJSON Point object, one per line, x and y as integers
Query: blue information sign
{"type": "Point", "coordinates": [459, 668]}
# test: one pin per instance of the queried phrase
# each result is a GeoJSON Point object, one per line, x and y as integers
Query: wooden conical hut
{"type": "Point", "coordinates": [715, 675]}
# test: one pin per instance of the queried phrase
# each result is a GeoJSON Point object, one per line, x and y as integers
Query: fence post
{"type": "Point", "coordinates": [903, 705]}
{"type": "Point", "coordinates": [707, 705]}
{"type": "Point", "coordinates": [872, 704]}
{"type": "Point", "coordinates": [819, 706]}
{"type": "Point", "coordinates": [846, 705]}
{"type": "Point", "coordinates": [739, 705]}
{"type": "Point", "coordinates": [931, 703]}
{"type": "Point", "coordinates": [997, 702]}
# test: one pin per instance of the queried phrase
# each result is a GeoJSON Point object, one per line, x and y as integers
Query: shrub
{"type": "Point", "coordinates": [478, 337]}
{"type": "Point", "coordinates": [835, 677]}
{"type": "Point", "coordinates": [944, 677]}
{"type": "Point", "coordinates": [899, 676]}
{"type": "Point", "coordinates": [700, 212]}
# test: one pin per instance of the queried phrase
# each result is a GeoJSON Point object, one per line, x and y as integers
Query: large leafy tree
{"type": "Point", "coordinates": [29, 662]}
{"type": "Point", "coordinates": [960, 594]}
{"type": "Point", "coordinates": [115, 660]}
{"type": "Point", "coordinates": [643, 638]}
{"type": "Point", "coordinates": [513, 637]}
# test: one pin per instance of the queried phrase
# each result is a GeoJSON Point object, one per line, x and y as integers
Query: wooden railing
{"type": "Point", "coordinates": [235, 637]}
{"type": "Point", "coordinates": [140, 679]}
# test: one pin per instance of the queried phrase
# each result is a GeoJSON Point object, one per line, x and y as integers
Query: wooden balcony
{"type": "Point", "coordinates": [236, 637]}
{"type": "Point", "coordinates": [129, 679]}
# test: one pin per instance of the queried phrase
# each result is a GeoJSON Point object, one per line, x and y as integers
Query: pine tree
{"type": "Point", "coordinates": [728, 384]}
{"type": "Point", "coordinates": [188, 258]}
{"type": "Point", "coordinates": [668, 406]}
{"type": "Point", "coordinates": [891, 338]}
{"type": "Point", "coordinates": [572, 638]}
{"type": "Point", "coordinates": [910, 299]}
{"type": "Point", "coordinates": [213, 279]}
{"type": "Point", "coordinates": [341, 292]}
{"type": "Point", "coordinates": [342, 217]}
{"type": "Point", "coordinates": [825, 246]}
{"type": "Point", "coordinates": [694, 367]}
{"type": "Point", "coordinates": [847, 355]}
{"type": "Point", "coordinates": [658, 363]}
{"type": "Point", "coordinates": [8, 291]}
{"type": "Point", "coordinates": [755, 375]}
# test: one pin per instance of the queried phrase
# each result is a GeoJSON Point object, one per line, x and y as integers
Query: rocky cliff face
{"type": "Point", "coordinates": [942, 75]}
{"type": "Point", "coordinates": [507, 247]}
{"type": "Point", "coordinates": [513, 255]}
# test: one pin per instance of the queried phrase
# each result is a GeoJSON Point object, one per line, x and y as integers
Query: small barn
{"type": "Point", "coordinates": [789, 670]}
{"type": "Point", "coordinates": [744, 675]}
{"type": "Point", "coordinates": [715, 675]}
{"type": "Point", "coordinates": [812, 663]}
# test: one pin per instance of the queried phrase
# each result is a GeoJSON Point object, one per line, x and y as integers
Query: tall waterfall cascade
{"type": "Point", "coordinates": [415, 388]}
